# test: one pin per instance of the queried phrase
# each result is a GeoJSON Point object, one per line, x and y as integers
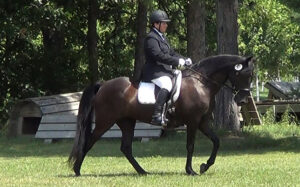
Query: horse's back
{"type": "Point", "coordinates": [115, 94]}
{"type": "Point", "coordinates": [116, 83]}
{"type": "Point", "coordinates": [114, 88]}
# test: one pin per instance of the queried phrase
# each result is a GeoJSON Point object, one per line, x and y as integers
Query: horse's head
{"type": "Point", "coordinates": [240, 77]}
{"type": "Point", "coordinates": [237, 69]}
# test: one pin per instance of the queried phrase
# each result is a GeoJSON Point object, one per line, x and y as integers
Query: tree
{"type": "Point", "coordinates": [226, 112]}
{"type": "Point", "coordinates": [44, 47]}
{"type": "Point", "coordinates": [141, 33]}
{"type": "Point", "coordinates": [196, 29]}
{"type": "Point", "coordinates": [117, 38]}
{"type": "Point", "coordinates": [92, 39]}
{"type": "Point", "coordinates": [270, 32]}
{"type": "Point", "coordinates": [53, 47]}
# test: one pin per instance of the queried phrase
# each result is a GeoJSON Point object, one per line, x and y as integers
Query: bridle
{"type": "Point", "coordinates": [227, 84]}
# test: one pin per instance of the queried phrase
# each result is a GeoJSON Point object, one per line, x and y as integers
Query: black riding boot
{"type": "Point", "coordinates": [162, 97]}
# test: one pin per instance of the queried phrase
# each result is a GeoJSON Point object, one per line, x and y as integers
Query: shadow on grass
{"type": "Point", "coordinates": [132, 174]}
{"type": "Point", "coordinates": [171, 145]}
{"type": "Point", "coordinates": [100, 175]}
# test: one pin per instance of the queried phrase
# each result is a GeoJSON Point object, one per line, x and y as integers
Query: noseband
{"type": "Point", "coordinates": [234, 90]}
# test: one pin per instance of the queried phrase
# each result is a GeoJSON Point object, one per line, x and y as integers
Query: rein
{"type": "Point", "coordinates": [234, 91]}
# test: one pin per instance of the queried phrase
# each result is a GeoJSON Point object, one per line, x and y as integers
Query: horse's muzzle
{"type": "Point", "coordinates": [241, 97]}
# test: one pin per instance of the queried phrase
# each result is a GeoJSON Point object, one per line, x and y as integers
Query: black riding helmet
{"type": "Point", "coordinates": [159, 16]}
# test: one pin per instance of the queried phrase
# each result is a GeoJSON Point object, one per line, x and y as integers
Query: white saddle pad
{"type": "Point", "coordinates": [146, 91]}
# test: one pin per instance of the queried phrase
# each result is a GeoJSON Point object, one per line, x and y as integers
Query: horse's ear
{"type": "Point", "coordinates": [250, 58]}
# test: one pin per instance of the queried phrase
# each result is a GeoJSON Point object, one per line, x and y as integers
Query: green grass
{"type": "Point", "coordinates": [267, 155]}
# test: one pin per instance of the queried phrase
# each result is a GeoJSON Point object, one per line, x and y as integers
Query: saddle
{"type": "Point", "coordinates": [147, 92]}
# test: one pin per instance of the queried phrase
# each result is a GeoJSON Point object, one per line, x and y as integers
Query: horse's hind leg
{"type": "Point", "coordinates": [99, 130]}
{"type": "Point", "coordinates": [206, 130]}
{"type": "Point", "coordinates": [78, 162]}
{"type": "Point", "coordinates": [127, 128]}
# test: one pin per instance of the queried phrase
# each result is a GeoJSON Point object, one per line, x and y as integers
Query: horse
{"type": "Point", "coordinates": [115, 101]}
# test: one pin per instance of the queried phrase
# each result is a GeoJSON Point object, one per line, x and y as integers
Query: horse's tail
{"type": "Point", "coordinates": [84, 126]}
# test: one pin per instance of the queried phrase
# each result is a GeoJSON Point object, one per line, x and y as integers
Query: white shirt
{"type": "Point", "coordinates": [160, 34]}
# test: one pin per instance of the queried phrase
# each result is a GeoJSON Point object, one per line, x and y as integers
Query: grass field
{"type": "Point", "coordinates": [266, 155]}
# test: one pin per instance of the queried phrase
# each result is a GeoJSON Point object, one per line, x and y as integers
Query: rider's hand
{"type": "Point", "coordinates": [181, 62]}
{"type": "Point", "coordinates": [188, 62]}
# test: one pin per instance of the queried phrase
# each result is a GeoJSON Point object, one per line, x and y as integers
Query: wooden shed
{"type": "Point", "coordinates": [54, 117]}
{"type": "Point", "coordinates": [27, 114]}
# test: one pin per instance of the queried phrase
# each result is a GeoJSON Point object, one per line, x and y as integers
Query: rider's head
{"type": "Point", "coordinates": [159, 20]}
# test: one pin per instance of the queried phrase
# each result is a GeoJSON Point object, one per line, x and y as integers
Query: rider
{"type": "Point", "coordinates": [160, 60]}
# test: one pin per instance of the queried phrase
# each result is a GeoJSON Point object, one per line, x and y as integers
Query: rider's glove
{"type": "Point", "coordinates": [181, 62]}
{"type": "Point", "coordinates": [188, 62]}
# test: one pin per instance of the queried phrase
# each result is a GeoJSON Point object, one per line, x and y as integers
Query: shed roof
{"type": "Point", "coordinates": [61, 104]}
{"type": "Point", "coordinates": [284, 90]}
{"type": "Point", "coordinates": [68, 102]}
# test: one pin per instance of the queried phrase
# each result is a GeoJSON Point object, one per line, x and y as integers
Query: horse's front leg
{"type": "Point", "coordinates": [191, 133]}
{"type": "Point", "coordinates": [205, 129]}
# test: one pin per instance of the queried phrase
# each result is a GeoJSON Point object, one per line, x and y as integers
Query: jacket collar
{"type": "Point", "coordinates": [161, 36]}
{"type": "Point", "coordinates": [159, 33]}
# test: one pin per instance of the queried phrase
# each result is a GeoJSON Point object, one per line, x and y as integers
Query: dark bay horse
{"type": "Point", "coordinates": [115, 101]}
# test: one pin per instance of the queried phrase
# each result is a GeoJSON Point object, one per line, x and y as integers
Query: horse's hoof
{"type": "Point", "coordinates": [77, 174]}
{"type": "Point", "coordinates": [202, 168]}
{"type": "Point", "coordinates": [191, 172]}
{"type": "Point", "coordinates": [143, 173]}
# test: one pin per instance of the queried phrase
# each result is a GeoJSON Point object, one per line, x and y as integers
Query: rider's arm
{"type": "Point", "coordinates": [154, 51]}
{"type": "Point", "coordinates": [173, 53]}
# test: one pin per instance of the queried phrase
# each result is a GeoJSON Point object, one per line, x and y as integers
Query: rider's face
{"type": "Point", "coordinates": [163, 26]}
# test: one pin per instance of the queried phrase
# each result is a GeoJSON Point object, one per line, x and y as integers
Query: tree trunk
{"type": "Point", "coordinates": [92, 38]}
{"type": "Point", "coordinates": [227, 26]}
{"type": "Point", "coordinates": [226, 110]}
{"type": "Point", "coordinates": [196, 30]}
{"type": "Point", "coordinates": [141, 33]}
{"type": "Point", "coordinates": [54, 43]}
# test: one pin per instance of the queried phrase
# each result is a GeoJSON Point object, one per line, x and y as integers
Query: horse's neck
{"type": "Point", "coordinates": [217, 80]}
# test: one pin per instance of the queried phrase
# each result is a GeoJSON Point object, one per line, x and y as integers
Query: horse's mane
{"type": "Point", "coordinates": [212, 64]}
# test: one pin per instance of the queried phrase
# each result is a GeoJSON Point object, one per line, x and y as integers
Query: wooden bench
{"type": "Point", "coordinates": [282, 97]}
{"type": "Point", "coordinates": [64, 126]}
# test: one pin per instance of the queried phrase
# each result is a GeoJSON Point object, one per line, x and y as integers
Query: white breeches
{"type": "Point", "coordinates": [163, 82]}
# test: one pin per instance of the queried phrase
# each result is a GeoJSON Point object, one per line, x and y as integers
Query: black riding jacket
{"type": "Point", "coordinates": [160, 57]}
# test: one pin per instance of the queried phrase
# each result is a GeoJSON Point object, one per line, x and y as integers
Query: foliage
{"type": "Point", "coordinates": [268, 32]}
{"type": "Point", "coordinates": [268, 117]}
{"type": "Point", "coordinates": [289, 117]}
{"type": "Point", "coordinates": [116, 39]}
{"type": "Point", "coordinates": [40, 51]}
{"type": "Point", "coordinates": [274, 131]}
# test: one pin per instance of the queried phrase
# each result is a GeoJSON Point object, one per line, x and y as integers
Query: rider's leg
{"type": "Point", "coordinates": [165, 84]}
